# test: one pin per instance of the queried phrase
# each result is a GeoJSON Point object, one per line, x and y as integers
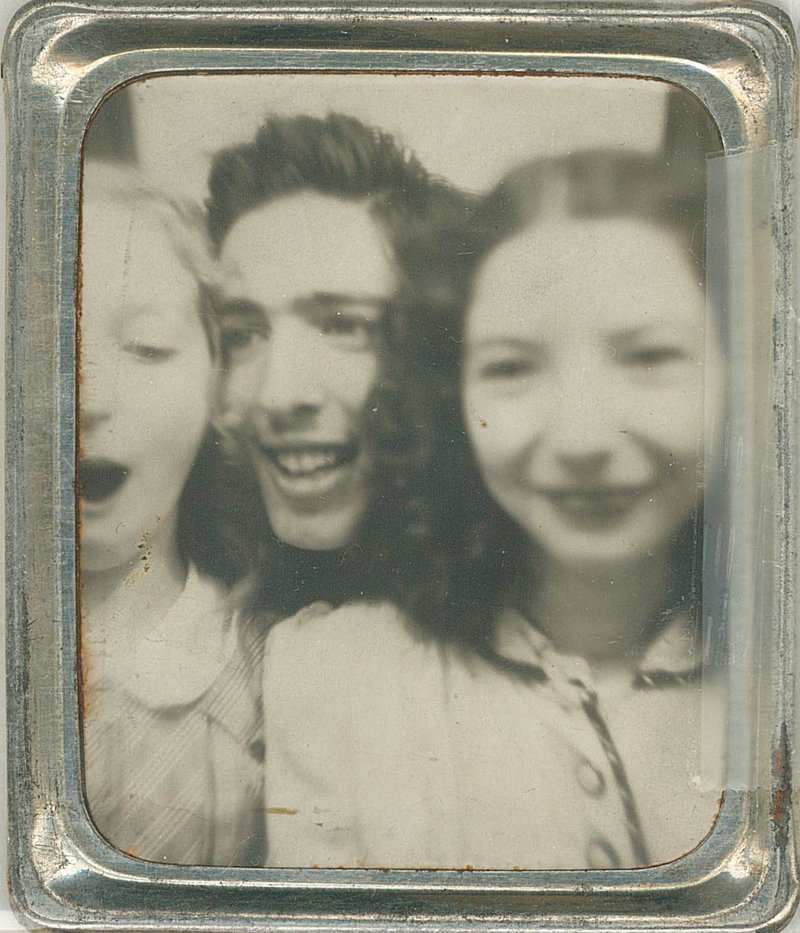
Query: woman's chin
{"type": "Point", "coordinates": [629, 537]}
{"type": "Point", "coordinates": [598, 552]}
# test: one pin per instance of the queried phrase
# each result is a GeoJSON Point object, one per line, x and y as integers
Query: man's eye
{"type": "Point", "coordinates": [351, 331]}
{"type": "Point", "coordinates": [240, 343]}
{"type": "Point", "coordinates": [149, 352]}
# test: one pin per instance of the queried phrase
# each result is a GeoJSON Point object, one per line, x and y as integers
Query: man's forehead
{"type": "Point", "coordinates": [304, 244]}
{"type": "Point", "coordinates": [302, 215]}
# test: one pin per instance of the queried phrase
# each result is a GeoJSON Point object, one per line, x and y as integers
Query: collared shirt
{"type": "Point", "coordinates": [387, 750]}
{"type": "Point", "coordinates": [659, 731]}
{"type": "Point", "coordinates": [172, 725]}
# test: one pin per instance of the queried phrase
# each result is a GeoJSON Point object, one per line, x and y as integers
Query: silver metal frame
{"type": "Point", "coordinates": [61, 59]}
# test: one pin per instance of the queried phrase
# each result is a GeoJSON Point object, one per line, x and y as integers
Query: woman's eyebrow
{"type": "Point", "coordinates": [131, 317]}
{"type": "Point", "coordinates": [505, 343]}
{"type": "Point", "coordinates": [630, 334]}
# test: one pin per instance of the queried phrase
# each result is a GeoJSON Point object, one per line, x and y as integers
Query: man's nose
{"type": "Point", "coordinates": [291, 386]}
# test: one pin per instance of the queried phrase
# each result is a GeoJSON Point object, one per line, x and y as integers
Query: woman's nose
{"type": "Point", "coordinates": [99, 383]}
{"type": "Point", "coordinates": [584, 429]}
{"type": "Point", "coordinates": [91, 418]}
{"type": "Point", "coordinates": [584, 462]}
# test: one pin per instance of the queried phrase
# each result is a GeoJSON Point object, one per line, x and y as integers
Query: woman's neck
{"type": "Point", "coordinates": [604, 613]}
{"type": "Point", "coordinates": [132, 593]}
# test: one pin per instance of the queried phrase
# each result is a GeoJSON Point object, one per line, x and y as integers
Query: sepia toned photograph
{"type": "Point", "coordinates": [402, 409]}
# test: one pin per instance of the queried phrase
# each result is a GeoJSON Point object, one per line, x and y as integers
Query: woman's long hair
{"type": "Point", "coordinates": [451, 554]}
{"type": "Point", "coordinates": [444, 551]}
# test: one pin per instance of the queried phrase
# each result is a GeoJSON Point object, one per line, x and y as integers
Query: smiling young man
{"type": "Point", "coordinates": [323, 231]}
{"type": "Point", "coordinates": [301, 315]}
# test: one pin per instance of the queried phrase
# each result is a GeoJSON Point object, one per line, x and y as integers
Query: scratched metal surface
{"type": "Point", "coordinates": [60, 60]}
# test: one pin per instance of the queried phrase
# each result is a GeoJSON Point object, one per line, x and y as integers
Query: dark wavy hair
{"type": "Point", "coordinates": [421, 217]}
{"type": "Point", "coordinates": [454, 554]}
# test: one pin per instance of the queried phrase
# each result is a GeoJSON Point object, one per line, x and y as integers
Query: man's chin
{"type": "Point", "coordinates": [322, 531]}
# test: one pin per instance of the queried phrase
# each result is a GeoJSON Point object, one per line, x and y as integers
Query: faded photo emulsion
{"type": "Point", "coordinates": [401, 404]}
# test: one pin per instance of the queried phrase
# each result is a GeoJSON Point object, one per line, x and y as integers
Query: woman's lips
{"type": "Point", "coordinates": [597, 504]}
{"type": "Point", "coordinates": [99, 479]}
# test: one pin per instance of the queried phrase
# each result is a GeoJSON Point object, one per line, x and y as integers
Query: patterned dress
{"type": "Point", "coordinates": [172, 743]}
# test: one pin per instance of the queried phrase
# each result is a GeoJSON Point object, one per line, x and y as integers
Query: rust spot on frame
{"type": "Point", "coordinates": [84, 674]}
{"type": "Point", "coordinates": [84, 654]}
{"type": "Point", "coordinates": [781, 809]}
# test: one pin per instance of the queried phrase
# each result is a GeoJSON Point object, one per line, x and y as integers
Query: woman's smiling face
{"type": "Point", "coordinates": [146, 380]}
{"type": "Point", "coordinates": [590, 374]}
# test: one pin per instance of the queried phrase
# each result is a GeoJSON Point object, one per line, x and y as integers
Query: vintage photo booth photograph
{"type": "Point", "coordinates": [423, 538]}
{"type": "Point", "coordinates": [436, 440]}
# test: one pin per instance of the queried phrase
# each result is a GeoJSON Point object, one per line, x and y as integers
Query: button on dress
{"type": "Point", "coordinates": [385, 749]}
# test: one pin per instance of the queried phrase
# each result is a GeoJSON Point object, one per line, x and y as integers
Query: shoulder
{"type": "Point", "coordinates": [362, 628]}
{"type": "Point", "coordinates": [202, 618]}
{"type": "Point", "coordinates": [325, 653]}
{"type": "Point", "coordinates": [174, 657]}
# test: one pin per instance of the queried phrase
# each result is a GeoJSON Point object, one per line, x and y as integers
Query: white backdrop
{"type": "Point", "coordinates": [473, 161]}
{"type": "Point", "coordinates": [181, 121]}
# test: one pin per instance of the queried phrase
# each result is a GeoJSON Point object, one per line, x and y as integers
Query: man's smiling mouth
{"type": "Point", "coordinates": [312, 460]}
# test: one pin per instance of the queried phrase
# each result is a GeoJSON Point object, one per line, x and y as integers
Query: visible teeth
{"type": "Point", "coordinates": [307, 462]}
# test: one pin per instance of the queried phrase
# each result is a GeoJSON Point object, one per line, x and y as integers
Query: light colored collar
{"type": "Point", "coordinates": [171, 661]}
{"type": "Point", "coordinates": [676, 651]}
{"type": "Point", "coordinates": [678, 647]}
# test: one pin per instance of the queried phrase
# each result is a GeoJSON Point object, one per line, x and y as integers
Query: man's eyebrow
{"type": "Point", "coordinates": [318, 300]}
{"type": "Point", "coordinates": [236, 307]}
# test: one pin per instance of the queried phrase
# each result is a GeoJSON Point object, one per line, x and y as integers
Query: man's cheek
{"type": "Point", "coordinates": [239, 392]}
{"type": "Point", "coordinates": [353, 382]}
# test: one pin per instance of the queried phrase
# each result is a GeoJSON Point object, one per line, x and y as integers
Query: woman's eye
{"type": "Point", "coordinates": [149, 352]}
{"type": "Point", "coordinates": [350, 331]}
{"type": "Point", "coordinates": [653, 356]}
{"type": "Point", "coordinates": [508, 369]}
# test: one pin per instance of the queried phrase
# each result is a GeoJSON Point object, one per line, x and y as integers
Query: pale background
{"type": "Point", "coordinates": [422, 120]}
{"type": "Point", "coordinates": [433, 115]}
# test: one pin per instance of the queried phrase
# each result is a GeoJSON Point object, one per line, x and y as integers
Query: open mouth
{"type": "Point", "coordinates": [304, 462]}
{"type": "Point", "coordinates": [100, 479]}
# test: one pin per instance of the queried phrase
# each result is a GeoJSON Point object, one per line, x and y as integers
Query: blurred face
{"type": "Point", "coordinates": [145, 388]}
{"type": "Point", "coordinates": [590, 373]}
{"type": "Point", "coordinates": [305, 280]}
